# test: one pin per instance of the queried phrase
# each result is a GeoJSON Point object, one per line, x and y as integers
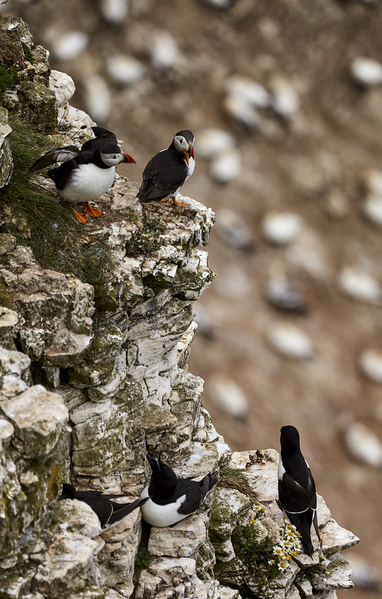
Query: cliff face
{"type": "Point", "coordinates": [94, 373]}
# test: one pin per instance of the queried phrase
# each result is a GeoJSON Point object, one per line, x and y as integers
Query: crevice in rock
{"type": "Point", "coordinates": [38, 374]}
{"type": "Point", "coordinates": [64, 376]}
{"type": "Point", "coordinates": [18, 344]}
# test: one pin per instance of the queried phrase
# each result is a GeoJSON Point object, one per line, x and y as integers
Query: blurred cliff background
{"type": "Point", "coordinates": [285, 100]}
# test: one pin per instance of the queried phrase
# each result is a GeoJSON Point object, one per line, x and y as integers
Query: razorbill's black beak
{"type": "Point", "coordinates": [154, 462]}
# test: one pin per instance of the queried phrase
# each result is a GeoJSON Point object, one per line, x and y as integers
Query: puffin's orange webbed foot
{"type": "Point", "coordinates": [176, 203]}
{"type": "Point", "coordinates": [82, 218]}
{"type": "Point", "coordinates": [91, 211]}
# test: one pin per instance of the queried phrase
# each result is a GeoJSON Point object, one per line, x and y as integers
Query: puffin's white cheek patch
{"type": "Point", "coordinates": [111, 159]}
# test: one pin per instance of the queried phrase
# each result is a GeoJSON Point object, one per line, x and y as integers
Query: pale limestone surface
{"type": "Point", "coordinates": [182, 540]}
{"type": "Point", "coordinates": [38, 417]}
{"type": "Point", "coordinates": [78, 516]}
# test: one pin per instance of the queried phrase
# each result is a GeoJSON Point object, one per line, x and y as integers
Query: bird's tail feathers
{"type": "Point", "coordinates": [308, 546]}
{"type": "Point", "coordinates": [208, 482]}
{"type": "Point", "coordinates": [303, 523]}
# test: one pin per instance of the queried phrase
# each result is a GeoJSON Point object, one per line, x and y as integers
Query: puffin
{"type": "Point", "coordinates": [297, 489]}
{"type": "Point", "coordinates": [84, 174]}
{"type": "Point", "coordinates": [168, 170]}
{"type": "Point", "coordinates": [169, 498]}
{"type": "Point", "coordinates": [109, 512]}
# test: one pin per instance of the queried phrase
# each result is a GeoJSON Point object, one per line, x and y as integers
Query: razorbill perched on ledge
{"type": "Point", "coordinates": [166, 172]}
{"type": "Point", "coordinates": [84, 174]}
{"type": "Point", "coordinates": [170, 498]}
{"type": "Point", "coordinates": [297, 490]}
{"type": "Point", "coordinates": [109, 512]}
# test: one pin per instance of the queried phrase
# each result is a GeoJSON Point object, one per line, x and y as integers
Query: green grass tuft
{"type": "Point", "coordinates": [12, 59]}
{"type": "Point", "coordinates": [9, 77]}
{"type": "Point", "coordinates": [235, 479]}
{"type": "Point", "coordinates": [146, 240]}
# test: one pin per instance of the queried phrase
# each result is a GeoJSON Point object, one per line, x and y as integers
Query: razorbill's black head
{"type": "Point", "coordinates": [109, 512]}
{"type": "Point", "coordinates": [297, 490]}
{"type": "Point", "coordinates": [84, 174]}
{"type": "Point", "coordinates": [166, 172]}
{"type": "Point", "coordinates": [170, 498]}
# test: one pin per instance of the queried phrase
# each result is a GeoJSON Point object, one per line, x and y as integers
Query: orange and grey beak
{"type": "Point", "coordinates": [189, 152]}
{"type": "Point", "coordinates": [127, 158]}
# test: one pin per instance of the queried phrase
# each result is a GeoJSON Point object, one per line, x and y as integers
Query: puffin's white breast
{"type": "Point", "coordinates": [161, 515]}
{"type": "Point", "coordinates": [87, 182]}
{"type": "Point", "coordinates": [191, 167]}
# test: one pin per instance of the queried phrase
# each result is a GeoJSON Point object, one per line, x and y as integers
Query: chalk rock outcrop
{"type": "Point", "coordinates": [94, 374]}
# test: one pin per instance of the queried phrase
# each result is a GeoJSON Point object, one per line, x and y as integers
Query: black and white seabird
{"type": "Point", "coordinates": [109, 512]}
{"type": "Point", "coordinates": [297, 490]}
{"type": "Point", "coordinates": [166, 172]}
{"type": "Point", "coordinates": [84, 174]}
{"type": "Point", "coordinates": [170, 498]}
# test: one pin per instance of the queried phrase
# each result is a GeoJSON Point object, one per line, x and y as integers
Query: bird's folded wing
{"type": "Point", "coordinates": [57, 155]}
{"type": "Point", "coordinates": [192, 502]}
{"type": "Point", "coordinates": [99, 496]}
{"type": "Point", "coordinates": [293, 497]}
{"type": "Point", "coordinates": [104, 511]}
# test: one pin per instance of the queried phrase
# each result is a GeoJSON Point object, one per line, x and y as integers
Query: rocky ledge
{"type": "Point", "coordinates": [94, 374]}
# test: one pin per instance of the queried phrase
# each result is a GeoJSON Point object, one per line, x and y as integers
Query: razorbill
{"type": "Point", "coordinates": [109, 512]}
{"type": "Point", "coordinates": [170, 498]}
{"type": "Point", "coordinates": [297, 490]}
{"type": "Point", "coordinates": [84, 174]}
{"type": "Point", "coordinates": [166, 172]}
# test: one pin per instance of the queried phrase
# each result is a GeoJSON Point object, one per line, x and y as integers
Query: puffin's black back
{"type": "Point", "coordinates": [163, 175]}
{"type": "Point", "coordinates": [166, 172]}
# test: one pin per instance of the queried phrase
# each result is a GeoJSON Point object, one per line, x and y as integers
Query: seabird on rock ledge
{"type": "Point", "coordinates": [297, 490]}
{"type": "Point", "coordinates": [109, 512]}
{"type": "Point", "coordinates": [168, 170]}
{"type": "Point", "coordinates": [170, 498]}
{"type": "Point", "coordinates": [84, 174]}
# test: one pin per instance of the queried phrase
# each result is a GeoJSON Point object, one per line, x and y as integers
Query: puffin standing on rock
{"type": "Point", "coordinates": [109, 512]}
{"type": "Point", "coordinates": [168, 170]}
{"type": "Point", "coordinates": [84, 174]}
{"type": "Point", "coordinates": [297, 490]}
{"type": "Point", "coordinates": [170, 499]}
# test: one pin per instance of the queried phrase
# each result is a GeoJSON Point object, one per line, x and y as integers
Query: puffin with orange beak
{"type": "Point", "coordinates": [86, 173]}
{"type": "Point", "coordinates": [168, 170]}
